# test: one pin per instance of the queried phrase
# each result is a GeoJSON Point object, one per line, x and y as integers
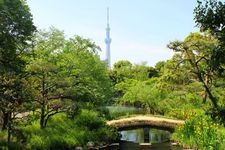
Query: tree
{"type": "Point", "coordinates": [121, 70]}
{"type": "Point", "coordinates": [175, 74]}
{"type": "Point", "coordinates": [90, 76]}
{"type": "Point", "coordinates": [159, 67]}
{"type": "Point", "coordinates": [143, 72]}
{"type": "Point", "coordinates": [209, 16]}
{"type": "Point", "coordinates": [65, 73]}
{"type": "Point", "coordinates": [45, 79]}
{"type": "Point", "coordinates": [143, 94]}
{"type": "Point", "coordinates": [196, 49]}
{"type": "Point", "coordinates": [16, 29]}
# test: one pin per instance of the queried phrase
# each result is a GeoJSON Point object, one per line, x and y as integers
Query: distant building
{"type": "Point", "coordinates": [108, 41]}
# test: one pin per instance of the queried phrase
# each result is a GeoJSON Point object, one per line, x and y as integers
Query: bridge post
{"type": "Point", "coordinates": [146, 135]}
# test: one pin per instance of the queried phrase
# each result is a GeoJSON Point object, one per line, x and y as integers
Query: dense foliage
{"type": "Point", "coordinates": [16, 29]}
{"type": "Point", "coordinates": [53, 90]}
{"type": "Point", "coordinates": [64, 133]}
{"type": "Point", "coordinates": [202, 132]}
{"type": "Point", "coordinates": [65, 74]}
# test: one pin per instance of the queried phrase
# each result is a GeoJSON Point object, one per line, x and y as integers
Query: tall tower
{"type": "Point", "coordinates": [108, 40]}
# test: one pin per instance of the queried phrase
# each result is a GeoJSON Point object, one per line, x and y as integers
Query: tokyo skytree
{"type": "Point", "coordinates": [108, 40]}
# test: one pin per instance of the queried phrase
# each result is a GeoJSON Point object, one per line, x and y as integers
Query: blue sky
{"type": "Point", "coordinates": [140, 29]}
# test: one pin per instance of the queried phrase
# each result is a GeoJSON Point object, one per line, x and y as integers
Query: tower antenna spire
{"type": "Point", "coordinates": [108, 40]}
{"type": "Point", "coordinates": [107, 15]}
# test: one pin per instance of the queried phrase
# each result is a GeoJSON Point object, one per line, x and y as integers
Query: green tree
{"type": "Point", "coordinates": [144, 94]}
{"type": "Point", "coordinates": [175, 74]}
{"type": "Point", "coordinates": [196, 49]}
{"type": "Point", "coordinates": [124, 69]}
{"type": "Point", "coordinates": [121, 70]}
{"type": "Point", "coordinates": [124, 73]}
{"type": "Point", "coordinates": [209, 16]}
{"type": "Point", "coordinates": [143, 72]}
{"type": "Point", "coordinates": [89, 74]}
{"type": "Point", "coordinates": [45, 79]}
{"type": "Point", "coordinates": [65, 73]}
{"type": "Point", "coordinates": [16, 29]}
{"type": "Point", "coordinates": [159, 67]}
{"type": "Point", "coordinates": [184, 93]}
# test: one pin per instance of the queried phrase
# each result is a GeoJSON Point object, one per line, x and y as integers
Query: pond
{"type": "Point", "coordinates": [134, 140]}
{"type": "Point", "coordinates": [125, 110]}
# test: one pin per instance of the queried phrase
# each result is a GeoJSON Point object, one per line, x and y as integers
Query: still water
{"type": "Point", "coordinates": [159, 140]}
{"type": "Point", "coordinates": [131, 139]}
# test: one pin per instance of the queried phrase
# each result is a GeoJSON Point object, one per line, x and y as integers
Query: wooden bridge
{"type": "Point", "coordinates": [145, 121]}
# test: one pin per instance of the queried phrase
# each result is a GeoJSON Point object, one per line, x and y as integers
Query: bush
{"type": "Point", "coordinates": [62, 133]}
{"type": "Point", "coordinates": [59, 134]}
{"type": "Point", "coordinates": [15, 144]}
{"type": "Point", "coordinates": [201, 132]}
{"type": "Point", "coordinates": [118, 113]}
{"type": "Point", "coordinates": [95, 128]}
{"type": "Point", "coordinates": [90, 120]}
{"type": "Point", "coordinates": [184, 112]}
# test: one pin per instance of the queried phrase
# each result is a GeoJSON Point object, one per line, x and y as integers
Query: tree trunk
{"type": "Point", "coordinates": [9, 129]}
{"type": "Point", "coordinates": [207, 90]}
{"type": "Point", "coordinates": [43, 103]}
{"type": "Point", "coordinates": [201, 79]}
{"type": "Point", "coordinates": [211, 97]}
{"type": "Point", "coordinates": [42, 119]}
{"type": "Point", "coordinates": [204, 96]}
{"type": "Point", "coordinates": [5, 120]}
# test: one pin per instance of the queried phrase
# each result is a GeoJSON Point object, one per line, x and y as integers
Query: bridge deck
{"type": "Point", "coordinates": [142, 121]}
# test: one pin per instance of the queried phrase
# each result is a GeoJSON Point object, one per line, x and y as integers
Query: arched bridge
{"type": "Point", "coordinates": [145, 121]}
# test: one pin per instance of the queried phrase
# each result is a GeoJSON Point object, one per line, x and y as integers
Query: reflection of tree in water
{"type": "Point", "coordinates": [137, 135]}
{"type": "Point", "coordinates": [159, 136]}
{"type": "Point", "coordinates": [132, 135]}
{"type": "Point", "coordinates": [124, 135]}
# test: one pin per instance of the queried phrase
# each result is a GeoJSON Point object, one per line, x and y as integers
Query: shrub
{"type": "Point", "coordinates": [95, 128]}
{"type": "Point", "coordinates": [59, 134]}
{"type": "Point", "coordinates": [201, 132]}
{"type": "Point", "coordinates": [14, 144]}
{"type": "Point", "coordinates": [89, 119]}
{"type": "Point", "coordinates": [184, 112]}
{"type": "Point", "coordinates": [62, 133]}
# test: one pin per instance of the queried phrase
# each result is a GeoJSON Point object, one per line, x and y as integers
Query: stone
{"type": "Point", "coordinates": [78, 148]}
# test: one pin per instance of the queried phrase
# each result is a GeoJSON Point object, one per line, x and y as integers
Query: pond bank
{"type": "Point", "coordinates": [127, 145]}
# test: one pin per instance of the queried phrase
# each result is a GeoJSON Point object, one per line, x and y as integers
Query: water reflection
{"type": "Point", "coordinates": [130, 139]}
{"type": "Point", "coordinates": [128, 109]}
{"type": "Point", "coordinates": [137, 136]}
{"type": "Point", "coordinates": [159, 140]}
